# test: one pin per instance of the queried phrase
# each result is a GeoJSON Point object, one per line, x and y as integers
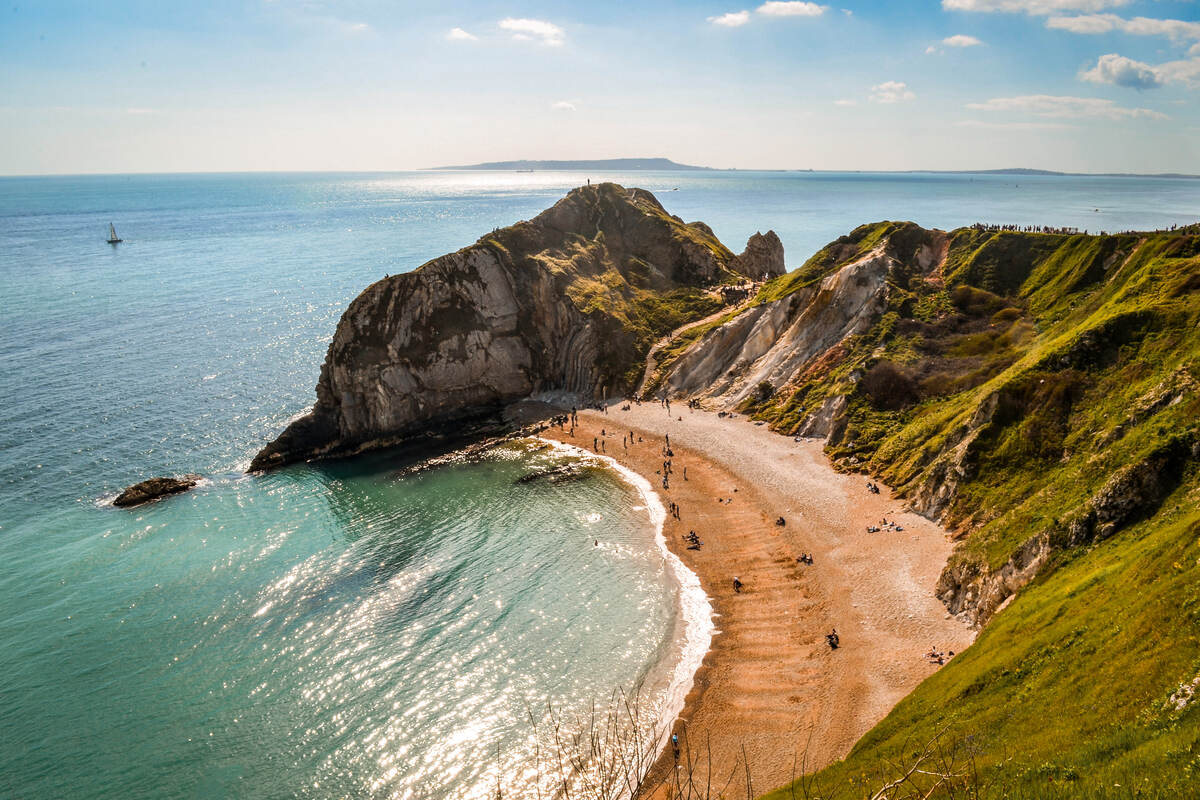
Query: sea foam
{"type": "Point", "coordinates": [694, 603]}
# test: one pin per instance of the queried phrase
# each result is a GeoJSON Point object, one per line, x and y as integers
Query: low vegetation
{"type": "Point", "coordinates": [1040, 394]}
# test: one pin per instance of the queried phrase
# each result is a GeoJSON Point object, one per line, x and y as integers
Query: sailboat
{"type": "Point", "coordinates": [112, 235]}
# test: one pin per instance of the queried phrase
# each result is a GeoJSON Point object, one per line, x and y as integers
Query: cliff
{"type": "Point", "coordinates": [568, 302]}
{"type": "Point", "coordinates": [970, 370]}
{"type": "Point", "coordinates": [1037, 394]}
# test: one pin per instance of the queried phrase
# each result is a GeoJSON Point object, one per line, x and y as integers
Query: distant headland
{"type": "Point", "coordinates": [599, 163]}
{"type": "Point", "coordinates": [666, 164]}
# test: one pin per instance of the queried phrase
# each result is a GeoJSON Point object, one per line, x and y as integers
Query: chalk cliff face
{"type": "Point", "coordinates": [569, 301]}
{"type": "Point", "coordinates": [777, 340]}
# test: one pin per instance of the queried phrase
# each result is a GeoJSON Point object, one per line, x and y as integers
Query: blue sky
{"type": "Point", "coordinates": [1081, 85]}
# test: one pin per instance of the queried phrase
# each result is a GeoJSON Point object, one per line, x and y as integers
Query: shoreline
{"type": "Point", "coordinates": [768, 683]}
{"type": "Point", "coordinates": [695, 606]}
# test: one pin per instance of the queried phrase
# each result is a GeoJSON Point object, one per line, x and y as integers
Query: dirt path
{"type": "Point", "coordinates": [652, 356]}
{"type": "Point", "coordinates": [770, 686]}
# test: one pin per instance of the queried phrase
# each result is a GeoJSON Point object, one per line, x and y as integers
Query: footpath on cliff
{"type": "Point", "coordinates": [770, 687]}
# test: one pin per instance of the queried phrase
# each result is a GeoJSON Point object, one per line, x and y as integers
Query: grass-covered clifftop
{"type": "Point", "coordinates": [634, 269]}
{"type": "Point", "coordinates": [1038, 393]}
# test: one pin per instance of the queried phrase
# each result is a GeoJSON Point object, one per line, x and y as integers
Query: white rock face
{"type": "Point", "coordinates": [775, 342]}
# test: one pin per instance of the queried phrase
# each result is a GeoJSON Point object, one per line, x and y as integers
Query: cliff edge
{"type": "Point", "coordinates": [569, 301]}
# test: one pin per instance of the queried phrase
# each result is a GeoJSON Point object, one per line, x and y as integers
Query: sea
{"type": "Point", "coordinates": [362, 628]}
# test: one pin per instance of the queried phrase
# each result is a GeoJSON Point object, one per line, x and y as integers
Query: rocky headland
{"type": "Point", "coordinates": [567, 302]}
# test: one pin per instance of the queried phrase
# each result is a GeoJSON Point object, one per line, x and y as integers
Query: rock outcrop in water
{"type": "Point", "coordinates": [153, 489]}
{"type": "Point", "coordinates": [567, 302]}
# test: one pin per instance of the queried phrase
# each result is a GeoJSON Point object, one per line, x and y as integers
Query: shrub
{"type": "Point", "coordinates": [889, 386]}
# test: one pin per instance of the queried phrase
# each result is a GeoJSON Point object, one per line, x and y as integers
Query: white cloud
{"type": "Point", "coordinates": [1122, 71]}
{"type": "Point", "coordinates": [891, 92]}
{"type": "Point", "coordinates": [734, 19]}
{"type": "Point", "coordinates": [772, 8]}
{"type": "Point", "coordinates": [961, 40]}
{"type": "Point", "coordinates": [845, 102]}
{"type": "Point", "coordinates": [563, 105]}
{"type": "Point", "coordinates": [459, 35]}
{"type": "Point", "coordinates": [1186, 71]}
{"type": "Point", "coordinates": [1031, 6]}
{"type": "Point", "coordinates": [931, 50]}
{"type": "Point", "coordinates": [1194, 50]}
{"type": "Point", "coordinates": [1087, 23]}
{"type": "Point", "coordinates": [790, 8]}
{"type": "Point", "coordinates": [847, 12]}
{"type": "Point", "coordinates": [1056, 107]}
{"type": "Point", "coordinates": [543, 32]}
{"type": "Point", "coordinates": [1174, 29]}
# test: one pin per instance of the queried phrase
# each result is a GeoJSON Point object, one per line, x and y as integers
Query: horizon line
{"type": "Point", "coordinates": [1012, 171]}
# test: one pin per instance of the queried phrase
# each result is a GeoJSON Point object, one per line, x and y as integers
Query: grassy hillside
{"type": "Point", "coordinates": [1039, 392]}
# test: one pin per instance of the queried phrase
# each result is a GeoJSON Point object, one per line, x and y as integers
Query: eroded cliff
{"type": "Point", "coordinates": [569, 301]}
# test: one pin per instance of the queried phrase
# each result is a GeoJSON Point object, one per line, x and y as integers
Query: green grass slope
{"type": "Point", "coordinates": [1039, 391]}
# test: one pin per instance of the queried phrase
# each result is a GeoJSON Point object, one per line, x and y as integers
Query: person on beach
{"type": "Point", "coordinates": [595, 443]}
{"type": "Point", "coordinates": [737, 585]}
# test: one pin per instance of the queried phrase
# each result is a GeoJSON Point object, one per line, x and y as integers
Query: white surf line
{"type": "Point", "coordinates": [694, 603]}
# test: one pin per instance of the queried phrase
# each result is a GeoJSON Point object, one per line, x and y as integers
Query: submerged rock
{"type": "Point", "coordinates": [563, 473]}
{"type": "Point", "coordinates": [153, 489]}
{"type": "Point", "coordinates": [567, 302]}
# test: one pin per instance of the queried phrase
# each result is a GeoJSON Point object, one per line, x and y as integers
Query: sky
{"type": "Point", "coordinates": [241, 85]}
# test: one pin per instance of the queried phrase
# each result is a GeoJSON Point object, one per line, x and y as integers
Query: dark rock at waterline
{"type": "Point", "coordinates": [153, 489]}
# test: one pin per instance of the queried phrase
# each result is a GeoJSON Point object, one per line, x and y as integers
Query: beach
{"type": "Point", "coordinates": [771, 687]}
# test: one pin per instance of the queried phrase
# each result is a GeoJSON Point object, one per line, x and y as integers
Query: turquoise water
{"type": "Point", "coordinates": [347, 629]}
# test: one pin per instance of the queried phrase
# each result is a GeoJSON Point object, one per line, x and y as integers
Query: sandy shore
{"type": "Point", "coordinates": [770, 686]}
